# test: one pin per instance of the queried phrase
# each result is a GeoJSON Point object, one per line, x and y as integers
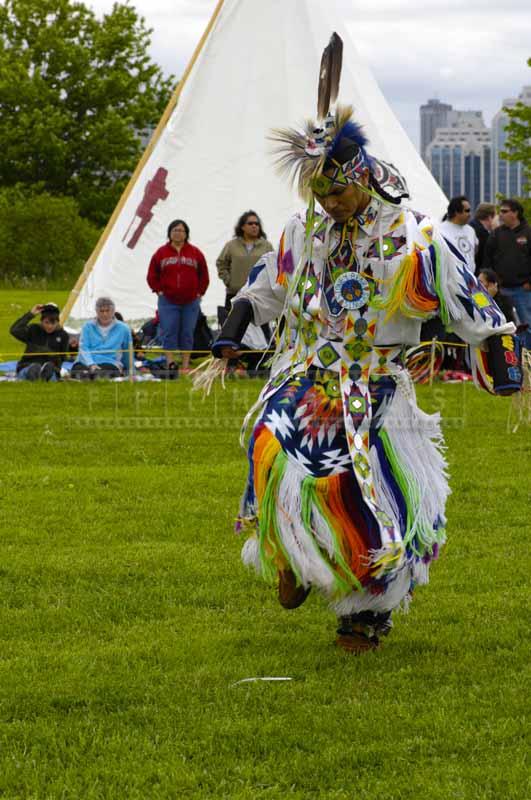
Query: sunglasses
{"type": "Point", "coordinates": [252, 223]}
{"type": "Point", "coordinates": [504, 210]}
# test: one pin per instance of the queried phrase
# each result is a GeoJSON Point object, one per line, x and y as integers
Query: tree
{"type": "Point", "coordinates": [42, 238]}
{"type": "Point", "coordinates": [518, 142]}
{"type": "Point", "coordinates": [75, 95]}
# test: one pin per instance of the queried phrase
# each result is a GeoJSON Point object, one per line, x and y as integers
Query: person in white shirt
{"type": "Point", "coordinates": [458, 233]}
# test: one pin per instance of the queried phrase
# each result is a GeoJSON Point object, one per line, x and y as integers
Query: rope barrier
{"type": "Point", "coordinates": [113, 350]}
{"type": "Point", "coordinates": [140, 349]}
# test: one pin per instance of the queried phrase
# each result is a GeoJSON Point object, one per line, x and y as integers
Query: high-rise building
{"type": "Point", "coordinates": [433, 115]}
{"type": "Point", "coordinates": [507, 176]}
{"type": "Point", "coordinates": [459, 157]}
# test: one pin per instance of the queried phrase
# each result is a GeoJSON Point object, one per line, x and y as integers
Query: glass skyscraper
{"type": "Point", "coordinates": [433, 115]}
{"type": "Point", "coordinates": [459, 157]}
{"type": "Point", "coordinates": [464, 156]}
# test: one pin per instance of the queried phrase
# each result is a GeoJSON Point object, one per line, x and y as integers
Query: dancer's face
{"type": "Point", "coordinates": [342, 203]}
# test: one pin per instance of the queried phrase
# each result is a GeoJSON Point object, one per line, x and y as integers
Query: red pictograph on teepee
{"type": "Point", "coordinates": [154, 191]}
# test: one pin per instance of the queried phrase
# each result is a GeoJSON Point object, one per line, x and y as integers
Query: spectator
{"type": "Point", "coordinates": [458, 233]}
{"type": "Point", "coordinates": [104, 345]}
{"type": "Point", "coordinates": [489, 280]}
{"type": "Point", "coordinates": [178, 273]}
{"type": "Point", "coordinates": [241, 253]}
{"type": "Point", "coordinates": [508, 253]}
{"type": "Point", "coordinates": [41, 341]}
{"type": "Point", "coordinates": [484, 222]}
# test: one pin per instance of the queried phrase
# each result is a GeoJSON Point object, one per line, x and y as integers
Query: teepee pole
{"type": "Point", "coordinates": [89, 264]}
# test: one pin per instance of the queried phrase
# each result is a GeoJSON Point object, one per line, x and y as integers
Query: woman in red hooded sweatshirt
{"type": "Point", "coordinates": [178, 273]}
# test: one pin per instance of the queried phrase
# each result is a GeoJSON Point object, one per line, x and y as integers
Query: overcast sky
{"type": "Point", "coordinates": [470, 53]}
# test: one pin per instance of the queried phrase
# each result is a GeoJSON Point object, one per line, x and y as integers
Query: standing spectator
{"type": "Point", "coordinates": [104, 345]}
{"type": "Point", "coordinates": [508, 253]}
{"type": "Point", "coordinates": [489, 280]}
{"type": "Point", "coordinates": [178, 273]}
{"type": "Point", "coordinates": [241, 253]}
{"type": "Point", "coordinates": [41, 341]}
{"type": "Point", "coordinates": [458, 233]}
{"type": "Point", "coordinates": [483, 223]}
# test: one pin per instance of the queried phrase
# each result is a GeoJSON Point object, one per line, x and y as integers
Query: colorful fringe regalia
{"type": "Point", "coordinates": [347, 479]}
{"type": "Point", "coordinates": [347, 483]}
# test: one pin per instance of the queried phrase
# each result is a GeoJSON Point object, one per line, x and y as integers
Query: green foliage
{"type": "Point", "coordinates": [75, 94]}
{"type": "Point", "coordinates": [126, 618]}
{"type": "Point", "coordinates": [43, 240]}
{"type": "Point", "coordinates": [518, 142]}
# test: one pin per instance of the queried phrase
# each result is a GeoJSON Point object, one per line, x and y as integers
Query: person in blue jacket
{"type": "Point", "coordinates": [105, 345]}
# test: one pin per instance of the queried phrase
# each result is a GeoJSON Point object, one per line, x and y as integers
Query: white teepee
{"type": "Point", "coordinates": [256, 68]}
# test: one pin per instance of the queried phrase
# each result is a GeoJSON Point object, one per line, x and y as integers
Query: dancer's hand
{"type": "Point", "coordinates": [231, 352]}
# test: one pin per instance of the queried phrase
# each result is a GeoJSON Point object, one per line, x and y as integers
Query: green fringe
{"type": "Point", "coordinates": [268, 527]}
{"type": "Point", "coordinates": [394, 301]}
{"type": "Point", "coordinates": [421, 541]}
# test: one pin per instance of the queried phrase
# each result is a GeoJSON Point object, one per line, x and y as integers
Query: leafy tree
{"type": "Point", "coordinates": [75, 95]}
{"type": "Point", "coordinates": [518, 142]}
{"type": "Point", "coordinates": [43, 239]}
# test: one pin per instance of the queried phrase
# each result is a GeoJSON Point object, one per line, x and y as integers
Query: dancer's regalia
{"type": "Point", "coordinates": [347, 484]}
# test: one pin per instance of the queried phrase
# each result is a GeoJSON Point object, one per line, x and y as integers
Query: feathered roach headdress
{"type": "Point", "coordinates": [335, 144]}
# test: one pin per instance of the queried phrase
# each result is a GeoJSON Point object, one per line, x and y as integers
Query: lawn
{"type": "Point", "coordinates": [127, 617]}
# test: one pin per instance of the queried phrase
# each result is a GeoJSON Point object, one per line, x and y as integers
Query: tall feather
{"type": "Point", "coordinates": [289, 150]}
{"type": "Point", "coordinates": [329, 75]}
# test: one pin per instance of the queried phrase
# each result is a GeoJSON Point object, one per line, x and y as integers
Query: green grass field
{"type": "Point", "coordinates": [127, 617]}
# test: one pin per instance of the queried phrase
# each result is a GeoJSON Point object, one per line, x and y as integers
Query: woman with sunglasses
{"type": "Point", "coordinates": [241, 253]}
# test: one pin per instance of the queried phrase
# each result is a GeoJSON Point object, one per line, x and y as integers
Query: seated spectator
{"type": "Point", "coordinates": [490, 281]}
{"type": "Point", "coordinates": [149, 335]}
{"type": "Point", "coordinates": [104, 345]}
{"type": "Point", "coordinates": [41, 341]}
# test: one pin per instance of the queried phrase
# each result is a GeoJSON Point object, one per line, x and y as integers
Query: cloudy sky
{"type": "Point", "coordinates": [470, 53]}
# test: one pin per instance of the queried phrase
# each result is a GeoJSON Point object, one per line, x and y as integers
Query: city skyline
{"type": "Point", "coordinates": [415, 52]}
{"type": "Point", "coordinates": [464, 154]}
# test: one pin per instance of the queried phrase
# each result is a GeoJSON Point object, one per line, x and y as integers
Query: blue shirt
{"type": "Point", "coordinates": [94, 348]}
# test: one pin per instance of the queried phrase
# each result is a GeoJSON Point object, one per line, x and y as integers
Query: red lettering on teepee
{"type": "Point", "coordinates": [155, 190]}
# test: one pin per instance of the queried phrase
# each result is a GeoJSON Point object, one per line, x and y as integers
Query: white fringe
{"type": "Point", "coordinates": [393, 596]}
{"type": "Point", "coordinates": [322, 533]}
{"type": "Point", "coordinates": [301, 548]}
{"type": "Point", "coordinates": [251, 554]}
{"type": "Point", "coordinates": [384, 496]}
{"type": "Point", "coordinates": [421, 572]}
{"type": "Point", "coordinates": [418, 442]}
{"type": "Point", "coordinates": [207, 373]}
{"type": "Point", "coordinates": [447, 278]}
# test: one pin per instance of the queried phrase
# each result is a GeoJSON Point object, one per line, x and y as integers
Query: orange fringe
{"type": "Point", "coordinates": [282, 277]}
{"type": "Point", "coordinates": [407, 293]}
{"type": "Point", "coordinates": [266, 449]}
{"type": "Point", "coordinates": [351, 541]}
